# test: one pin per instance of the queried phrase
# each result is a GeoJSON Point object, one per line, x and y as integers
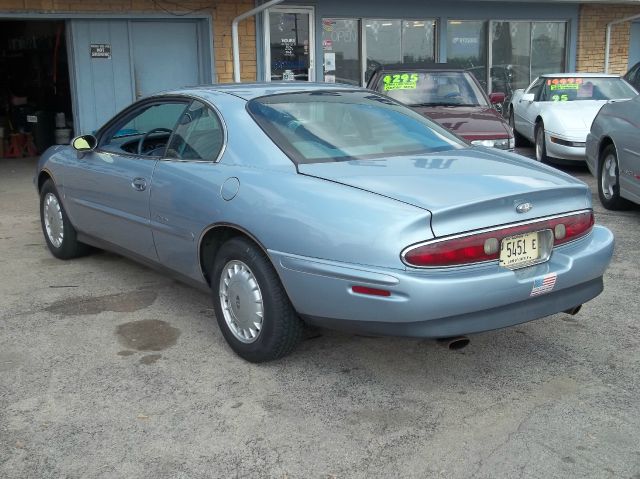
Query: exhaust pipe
{"type": "Point", "coordinates": [454, 343]}
{"type": "Point", "coordinates": [573, 311]}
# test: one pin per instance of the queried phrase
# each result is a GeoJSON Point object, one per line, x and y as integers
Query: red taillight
{"type": "Point", "coordinates": [575, 226]}
{"type": "Point", "coordinates": [484, 245]}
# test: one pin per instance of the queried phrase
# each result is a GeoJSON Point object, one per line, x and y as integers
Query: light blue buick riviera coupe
{"type": "Point", "coordinates": [329, 205]}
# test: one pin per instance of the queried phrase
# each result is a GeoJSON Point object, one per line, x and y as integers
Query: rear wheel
{"type": "Point", "coordinates": [518, 138]}
{"type": "Point", "coordinates": [59, 233]}
{"type": "Point", "coordinates": [609, 180]}
{"type": "Point", "coordinates": [541, 146]}
{"type": "Point", "coordinates": [252, 308]}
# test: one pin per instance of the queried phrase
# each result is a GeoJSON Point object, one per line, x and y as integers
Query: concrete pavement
{"type": "Point", "coordinates": [109, 369]}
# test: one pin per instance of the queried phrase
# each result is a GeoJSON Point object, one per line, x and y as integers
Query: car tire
{"type": "Point", "coordinates": [268, 327]}
{"type": "Point", "coordinates": [540, 143]}
{"type": "Point", "coordinates": [59, 233]}
{"type": "Point", "coordinates": [517, 137]}
{"type": "Point", "coordinates": [609, 180]}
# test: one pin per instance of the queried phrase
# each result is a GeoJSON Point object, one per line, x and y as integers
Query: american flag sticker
{"type": "Point", "coordinates": [544, 285]}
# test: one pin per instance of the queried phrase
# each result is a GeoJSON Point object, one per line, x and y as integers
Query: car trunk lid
{"type": "Point", "coordinates": [464, 189]}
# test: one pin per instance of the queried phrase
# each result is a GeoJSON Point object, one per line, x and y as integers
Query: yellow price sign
{"type": "Point", "coordinates": [400, 81]}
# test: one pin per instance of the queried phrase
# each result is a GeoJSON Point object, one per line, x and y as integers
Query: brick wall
{"type": "Point", "coordinates": [592, 29]}
{"type": "Point", "coordinates": [221, 11]}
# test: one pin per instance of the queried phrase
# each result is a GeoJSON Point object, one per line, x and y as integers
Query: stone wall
{"type": "Point", "coordinates": [592, 29]}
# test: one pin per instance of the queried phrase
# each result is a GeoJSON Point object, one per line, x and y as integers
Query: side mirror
{"type": "Point", "coordinates": [528, 97]}
{"type": "Point", "coordinates": [497, 97]}
{"type": "Point", "coordinates": [84, 143]}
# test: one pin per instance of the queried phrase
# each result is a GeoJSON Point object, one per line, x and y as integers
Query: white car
{"type": "Point", "coordinates": [556, 111]}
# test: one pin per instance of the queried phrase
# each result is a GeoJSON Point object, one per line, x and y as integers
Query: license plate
{"type": "Point", "coordinates": [517, 251]}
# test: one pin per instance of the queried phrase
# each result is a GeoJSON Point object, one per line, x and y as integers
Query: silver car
{"type": "Point", "coordinates": [613, 153]}
{"type": "Point", "coordinates": [329, 205]}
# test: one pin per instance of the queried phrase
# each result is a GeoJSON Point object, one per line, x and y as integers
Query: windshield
{"type": "Point", "coordinates": [437, 88]}
{"type": "Point", "coordinates": [585, 88]}
{"type": "Point", "coordinates": [322, 126]}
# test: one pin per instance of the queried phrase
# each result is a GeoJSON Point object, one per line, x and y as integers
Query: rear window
{"type": "Point", "coordinates": [324, 126]}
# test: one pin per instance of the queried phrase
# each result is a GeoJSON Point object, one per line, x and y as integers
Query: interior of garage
{"type": "Point", "coordinates": [35, 92]}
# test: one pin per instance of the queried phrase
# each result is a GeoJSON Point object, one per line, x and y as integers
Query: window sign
{"type": "Point", "coordinates": [400, 81]}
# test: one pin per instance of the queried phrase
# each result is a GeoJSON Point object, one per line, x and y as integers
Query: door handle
{"type": "Point", "coordinates": [139, 184]}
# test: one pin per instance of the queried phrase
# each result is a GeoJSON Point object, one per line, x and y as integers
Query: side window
{"type": "Point", "coordinates": [536, 89]}
{"type": "Point", "coordinates": [151, 125]}
{"type": "Point", "coordinates": [198, 136]}
{"type": "Point", "coordinates": [634, 76]}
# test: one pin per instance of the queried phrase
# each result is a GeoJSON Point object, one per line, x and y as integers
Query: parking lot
{"type": "Point", "coordinates": [109, 369]}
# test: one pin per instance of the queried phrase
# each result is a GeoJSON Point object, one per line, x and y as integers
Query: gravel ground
{"type": "Point", "coordinates": [109, 369]}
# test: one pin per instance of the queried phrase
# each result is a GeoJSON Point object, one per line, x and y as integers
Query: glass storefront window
{"type": "Point", "coordinates": [511, 42]}
{"type": "Point", "coordinates": [521, 51]}
{"type": "Point", "coordinates": [383, 44]}
{"type": "Point", "coordinates": [418, 41]}
{"type": "Point", "coordinates": [341, 50]}
{"type": "Point", "coordinates": [388, 42]}
{"type": "Point", "coordinates": [548, 43]}
{"type": "Point", "coordinates": [467, 47]}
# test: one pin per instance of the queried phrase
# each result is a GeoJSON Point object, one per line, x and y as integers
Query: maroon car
{"type": "Point", "coordinates": [451, 97]}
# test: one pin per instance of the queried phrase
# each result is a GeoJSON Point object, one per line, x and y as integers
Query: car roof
{"type": "Point", "coordinates": [248, 91]}
{"type": "Point", "coordinates": [578, 75]}
{"type": "Point", "coordinates": [419, 67]}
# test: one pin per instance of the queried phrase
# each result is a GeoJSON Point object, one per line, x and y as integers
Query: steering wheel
{"type": "Point", "coordinates": [146, 135]}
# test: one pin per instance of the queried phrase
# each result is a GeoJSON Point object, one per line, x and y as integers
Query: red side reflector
{"type": "Point", "coordinates": [370, 291]}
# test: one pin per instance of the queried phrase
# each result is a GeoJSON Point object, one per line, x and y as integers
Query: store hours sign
{"type": "Point", "coordinates": [101, 50]}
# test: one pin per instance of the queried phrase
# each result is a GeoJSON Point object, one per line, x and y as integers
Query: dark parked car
{"type": "Point", "coordinates": [633, 76]}
{"type": "Point", "coordinates": [450, 96]}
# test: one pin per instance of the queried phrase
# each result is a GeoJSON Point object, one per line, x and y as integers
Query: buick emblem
{"type": "Point", "coordinates": [524, 207]}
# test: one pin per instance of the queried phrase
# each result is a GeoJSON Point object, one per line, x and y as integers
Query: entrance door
{"type": "Point", "coordinates": [289, 44]}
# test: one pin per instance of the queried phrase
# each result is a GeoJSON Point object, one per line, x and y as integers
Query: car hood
{"type": "Point", "coordinates": [470, 122]}
{"type": "Point", "coordinates": [464, 189]}
{"type": "Point", "coordinates": [571, 117]}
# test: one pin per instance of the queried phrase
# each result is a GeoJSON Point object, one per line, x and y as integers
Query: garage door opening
{"type": "Point", "coordinates": [35, 92]}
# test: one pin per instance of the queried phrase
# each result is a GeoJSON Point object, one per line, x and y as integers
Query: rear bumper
{"type": "Point", "coordinates": [480, 321]}
{"type": "Point", "coordinates": [443, 302]}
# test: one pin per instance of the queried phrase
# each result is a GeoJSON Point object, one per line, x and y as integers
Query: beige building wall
{"type": "Point", "coordinates": [222, 13]}
{"type": "Point", "coordinates": [592, 27]}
